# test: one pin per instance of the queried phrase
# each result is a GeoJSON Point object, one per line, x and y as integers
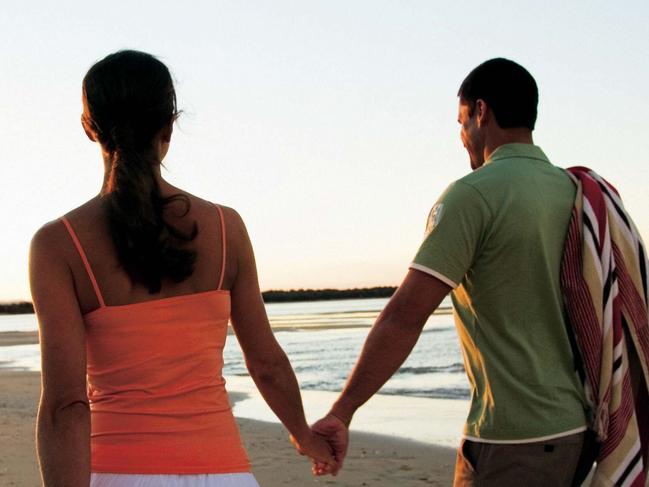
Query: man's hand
{"type": "Point", "coordinates": [387, 346]}
{"type": "Point", "coordinates": [337, 435]}
{"type": "Point", "coordinates": [318, 449]}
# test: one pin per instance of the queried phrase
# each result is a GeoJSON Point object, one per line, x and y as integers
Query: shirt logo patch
{"type": "Point", "coordinates": [434, 217]}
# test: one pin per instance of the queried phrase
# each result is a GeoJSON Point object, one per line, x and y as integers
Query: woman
{"type": "Point", "coordinates": [133, 290]}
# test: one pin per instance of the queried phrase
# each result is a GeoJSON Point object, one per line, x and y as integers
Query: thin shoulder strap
{"type": "Point", "coordinates": [223, 245]}
{"type": "Point", "coordinates": [86, 264]}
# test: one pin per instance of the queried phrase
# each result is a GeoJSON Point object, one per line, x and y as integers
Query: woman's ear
{"type": "Point", "coordinates": [91, 135]}
{"type": "Point", "coordinates": [166, 132]}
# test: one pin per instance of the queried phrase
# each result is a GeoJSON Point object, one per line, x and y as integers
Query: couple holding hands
{"type": "Point", "coordinates": [134, 290]}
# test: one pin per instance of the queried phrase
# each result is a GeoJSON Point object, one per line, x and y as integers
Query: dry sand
{"type": "Point", "coordinates": [372, 460]}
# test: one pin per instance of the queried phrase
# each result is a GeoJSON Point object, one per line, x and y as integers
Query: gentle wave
{"type": "Point", "coordinates": [440, 393]}
{"type": "Point", "coordinates": [452, 369]}
{"type": "Point", "coordinates": [438, 329]}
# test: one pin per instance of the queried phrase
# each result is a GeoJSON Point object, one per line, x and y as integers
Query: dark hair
{"type": "Point", "coordinates": [507, 88]}
{"type": "Point", "coordinates": [128, 98]}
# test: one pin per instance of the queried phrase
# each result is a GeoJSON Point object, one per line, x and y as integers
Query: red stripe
{"type": "Point", "coordinates": [619, 420]}
{"type": "Point", "coordinates": [579, 305]}
{"type": "Point", "coordinates": [639, 481]}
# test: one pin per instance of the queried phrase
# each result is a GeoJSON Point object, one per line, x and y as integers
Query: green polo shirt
{"type": "Point", "coordinates": [496, 237]}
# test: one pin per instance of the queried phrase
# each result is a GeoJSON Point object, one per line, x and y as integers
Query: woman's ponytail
{"type": "Point", "coordinates": [128, 99]}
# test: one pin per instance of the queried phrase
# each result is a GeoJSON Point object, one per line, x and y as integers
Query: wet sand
{"type": "Point", "coordinates": [9, 338]}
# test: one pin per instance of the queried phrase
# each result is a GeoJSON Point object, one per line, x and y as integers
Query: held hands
{"type": "Point", "coordinates": [326, 445]}
{"type": "Point", "coordinates": [318, 450]}
{"type": "Point", "coordinates": [336, 432]}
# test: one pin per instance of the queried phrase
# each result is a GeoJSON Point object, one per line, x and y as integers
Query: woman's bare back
{"type": "Point", "coordinates": [91, 227]}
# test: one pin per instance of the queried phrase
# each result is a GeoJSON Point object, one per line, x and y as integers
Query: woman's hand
{"type": "Point", "coordinates": [318, 450]}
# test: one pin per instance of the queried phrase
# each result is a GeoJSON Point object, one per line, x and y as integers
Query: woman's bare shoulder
{"type": "Point", "coordinates": [52, 236]}
{"type": "Point", "coordinates": [231, 214]}
{"type": "Point", "coordinates": [47, 252]}
{"type": "Point", "coordinates": [234, 224]}
{"type": "Point", "coordinates": [48, 234]}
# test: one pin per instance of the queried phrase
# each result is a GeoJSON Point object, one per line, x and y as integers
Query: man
{"type": "Point", "coordinates": [495, 240]}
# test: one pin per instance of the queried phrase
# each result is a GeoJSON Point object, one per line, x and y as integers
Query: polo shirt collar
{"type": "Point", "coordinates": [527, 151]}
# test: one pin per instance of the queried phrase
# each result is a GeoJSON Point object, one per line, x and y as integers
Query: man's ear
{"type": "Point", "coordinates": [483, 112]}
{"type": "Point", "coordinates": [91, 135]}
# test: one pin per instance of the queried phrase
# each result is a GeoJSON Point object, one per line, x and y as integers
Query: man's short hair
{"type": "Point", "coordinates": [507, 88]}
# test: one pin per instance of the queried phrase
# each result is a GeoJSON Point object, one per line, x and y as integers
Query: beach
{"type": "Point", "coordinates": [322, 340]}
{"type": "Point", "coordinates": [372, 460]}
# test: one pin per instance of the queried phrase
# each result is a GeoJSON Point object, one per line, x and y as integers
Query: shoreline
{"type": "Point", "coordinates": [373, 459]}
{"type": "Point", "coordinates": [11, 338]}
{"type": "Point", "coordinates": [271, 297]}
{"type": "Point", "coordinates": [14, 337]}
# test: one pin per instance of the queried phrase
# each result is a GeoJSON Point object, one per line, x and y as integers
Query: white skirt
{"type": "Point", "coordinates": [166, 480]}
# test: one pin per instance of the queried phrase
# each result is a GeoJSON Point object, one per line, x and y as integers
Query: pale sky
{"type": "Point", "coordinates": [329, 125]}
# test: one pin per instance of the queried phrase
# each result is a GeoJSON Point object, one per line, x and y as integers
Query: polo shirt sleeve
{"type": "Point", "coordinates": [456, 227]}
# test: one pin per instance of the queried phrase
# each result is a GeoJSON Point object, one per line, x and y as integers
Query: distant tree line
{"type": "Point", "coordinates": [22, 307]}
{"type": "Point", "coordinates": [272, 296]}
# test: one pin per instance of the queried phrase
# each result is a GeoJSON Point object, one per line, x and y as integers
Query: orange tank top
{"type": "Point", "coordinates": [157, 397]}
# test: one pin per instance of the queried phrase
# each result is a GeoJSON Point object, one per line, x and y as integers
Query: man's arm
{"type": "Point", "coordinates": [387, 346]}
{"type": "Point", "coordinates": [391, 340]}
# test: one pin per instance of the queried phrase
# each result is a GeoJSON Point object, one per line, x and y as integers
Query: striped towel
{"type": "Point", "coordinates": [604, 283]}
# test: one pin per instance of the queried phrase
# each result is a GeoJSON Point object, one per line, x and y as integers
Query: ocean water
{"type": "Point", "coordinates": [322, 340]}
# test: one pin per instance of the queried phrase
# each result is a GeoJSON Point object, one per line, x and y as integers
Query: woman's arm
{"type": "Point", "coordinates": [266, 361]}
{"type": "Point", "coordinates": [63, 424]}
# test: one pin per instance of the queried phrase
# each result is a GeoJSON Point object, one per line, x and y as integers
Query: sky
{"type": "Point", "coordinates": [331, 126]}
